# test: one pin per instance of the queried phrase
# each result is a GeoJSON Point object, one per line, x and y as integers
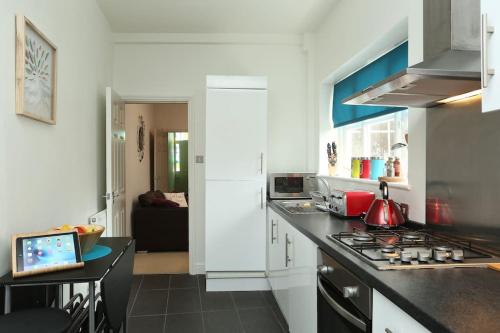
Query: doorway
{"type": "Point", "coordinates": [157, 184]}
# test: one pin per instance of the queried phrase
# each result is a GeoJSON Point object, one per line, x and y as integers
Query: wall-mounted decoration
{"type": "Point", "coordinates": [35, 73]}
{"type": "Point", "coordinates": [141, 130]}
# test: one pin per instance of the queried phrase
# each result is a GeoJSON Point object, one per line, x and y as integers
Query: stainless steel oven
{"type": "Point", "coordinates": [292, 185]}
{"type": "Point", "coordinates": [344, 301]}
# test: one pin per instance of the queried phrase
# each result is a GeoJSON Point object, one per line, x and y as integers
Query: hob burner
{"type": "Point", "coordinates": [363, 237]}
{"type": "Point", "coordinates": [411, 236]}
{"type": "Point", "coordinates": [388, 249]}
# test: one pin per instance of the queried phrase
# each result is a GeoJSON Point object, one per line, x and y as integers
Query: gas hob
{"type": "Point", "coordinates": [402, 248]}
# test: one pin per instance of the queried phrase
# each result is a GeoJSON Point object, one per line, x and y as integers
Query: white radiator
{"type": "Point", "coordinates": [99, 218]}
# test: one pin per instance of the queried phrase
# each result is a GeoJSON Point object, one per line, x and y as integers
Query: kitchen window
{"type": "Point", "coordinates": [372, 138]}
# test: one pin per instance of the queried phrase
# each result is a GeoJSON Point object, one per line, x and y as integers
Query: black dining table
{"type": "Point", "coordinates": [92, 272]}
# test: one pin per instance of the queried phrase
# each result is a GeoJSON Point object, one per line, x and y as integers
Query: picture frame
{"type": "Point", "coordinates": [36, 73]}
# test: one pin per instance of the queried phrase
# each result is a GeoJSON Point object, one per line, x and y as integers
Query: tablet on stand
{"type": "Point", "coordinates": [37, 253]}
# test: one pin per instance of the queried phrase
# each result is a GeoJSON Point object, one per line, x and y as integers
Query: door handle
{"type": "Point", "coordinates": [486, 30]}
{"type": "Point", "coordinates": [339, 309]}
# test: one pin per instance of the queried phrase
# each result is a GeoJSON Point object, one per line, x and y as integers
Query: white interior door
{"type": "Point", "coordinates": [160, 162]}
{"type": "Point", "coordinates": [115, 164]}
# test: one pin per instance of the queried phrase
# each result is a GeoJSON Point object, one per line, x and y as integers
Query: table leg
{"type": "Point", "coordinates": [7, 300]}
{"type": "Point", "coordinates": [91, 307]}
{"type": "Point", "coordinates": [60, 296]}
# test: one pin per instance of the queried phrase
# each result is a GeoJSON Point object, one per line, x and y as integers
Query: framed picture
{"type": "Point", "coordinates": [36, 65]}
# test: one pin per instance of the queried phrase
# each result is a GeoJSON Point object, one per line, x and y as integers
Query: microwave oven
{"type": "Point", "coordinates": [292, 185]}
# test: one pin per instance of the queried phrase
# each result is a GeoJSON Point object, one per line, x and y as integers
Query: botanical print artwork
{"type": "Point", "coordinates": [37, 75]}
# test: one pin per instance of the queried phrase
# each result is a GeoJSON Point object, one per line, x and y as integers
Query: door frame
{"type": "Point", "coordinates": [193, 187]}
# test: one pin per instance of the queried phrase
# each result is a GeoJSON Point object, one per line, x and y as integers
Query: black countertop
{"type": "Point", "coordinates": [458, 300]}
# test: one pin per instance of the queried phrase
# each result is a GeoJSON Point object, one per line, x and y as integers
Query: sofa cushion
{"type": "Point", "coordinates": [146, 199]}
{"type": "Point", "coordinates": [179, 197]}
{"type": "Point", "coordinates": [162, 202]}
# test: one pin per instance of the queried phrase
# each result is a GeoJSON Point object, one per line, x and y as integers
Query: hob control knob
{"type": "Point", "coordinates": [457, 255]}
{"type": "Point", "coordinates": [406, 257]}
{"type": "Point", "coordinates": [440, 256]}
{"type": "Point", "coordinates": [325, 269]}
{"type": "Point", "coordinates": [423, 256]}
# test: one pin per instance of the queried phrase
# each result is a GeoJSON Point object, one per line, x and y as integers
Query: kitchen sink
{"type": "Point", "coordinates": [300, 206]}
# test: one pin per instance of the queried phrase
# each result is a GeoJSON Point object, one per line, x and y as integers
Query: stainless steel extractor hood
{"type": "Point", "coordinates": [455, 70]}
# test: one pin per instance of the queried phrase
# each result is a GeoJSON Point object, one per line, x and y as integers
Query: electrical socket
{"type": "Point", "coordinates": [405, 210]}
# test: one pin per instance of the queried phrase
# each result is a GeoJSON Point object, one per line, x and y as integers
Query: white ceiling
{"type": "Point", "coordinates": [215, 16]}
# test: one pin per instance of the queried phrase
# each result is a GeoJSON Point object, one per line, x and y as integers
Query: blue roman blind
{"type": "Point", "coordinates": [385, 66]}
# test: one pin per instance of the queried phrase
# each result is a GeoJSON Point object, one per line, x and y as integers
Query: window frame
{"type": "Point", "coordinates": [345, 147]}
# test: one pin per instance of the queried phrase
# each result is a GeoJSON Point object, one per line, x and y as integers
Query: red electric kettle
{"type": "Point", "coordinates": [384, 212]}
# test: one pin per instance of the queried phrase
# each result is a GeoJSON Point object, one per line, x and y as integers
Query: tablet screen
{"type": "Point", "coordinates": [47, 251]}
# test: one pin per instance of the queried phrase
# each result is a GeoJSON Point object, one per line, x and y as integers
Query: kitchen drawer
{"type": "Point", "coordinates": [389, 318]}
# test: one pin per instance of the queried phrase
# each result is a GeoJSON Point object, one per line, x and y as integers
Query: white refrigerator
{"type": "Point", "coordinates": [235, 173]}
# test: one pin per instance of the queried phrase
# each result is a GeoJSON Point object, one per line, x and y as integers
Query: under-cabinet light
{"type": "Point", "coordinates": [460, 97]}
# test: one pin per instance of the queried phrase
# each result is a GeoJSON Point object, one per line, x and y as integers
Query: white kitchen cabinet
{"type": "Point", "coordinates": [236, 226]}
{"type": "Point", "coordinates": [389, 318]}
{"type": "Point", "coordinates": [236, 134]}
{"type": "Point", "coordinates": [490, 55]}
{"type": "Point", "coordinates": [292, 261]}
{"type": "Point", "coordinates": [302, 283]}
{"type": "Point", "coordinates": [275, 251]}
{"type": "Point", "coordinates": [277, 261]}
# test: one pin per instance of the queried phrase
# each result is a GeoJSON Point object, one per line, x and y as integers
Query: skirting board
{"type": "Point", "coordinates": [238, 284]}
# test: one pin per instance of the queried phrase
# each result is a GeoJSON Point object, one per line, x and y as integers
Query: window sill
{"type": "Point", "coordinates": [401, 186]}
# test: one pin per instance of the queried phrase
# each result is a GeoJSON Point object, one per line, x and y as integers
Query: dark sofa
{"type": "Point", "coordinates": [158, 229]}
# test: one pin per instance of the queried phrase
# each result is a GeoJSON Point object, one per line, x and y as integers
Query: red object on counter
{"type": "Point", "coordinates": [358, 202]}
{"type": "Point", "coordinates": [384, 212]}
{"type": "Point", "coordinates": [365, 168]}
{"type": "Point", "coordinates": [351, 203]}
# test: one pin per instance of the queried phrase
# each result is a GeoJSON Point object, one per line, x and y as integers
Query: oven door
{"type": "Point", "coordinates": [336, 313]}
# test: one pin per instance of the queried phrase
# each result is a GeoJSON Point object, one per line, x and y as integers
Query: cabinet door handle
{"type": "Point", "coordinates": [387, 330]}
{"type": "Point", "coordinates": [261, 197]}
{"type": "Point", "coordinates": [287, 254]}
{"type": "Point", "coordinates": [261, 163]}
{"type": "Point", "coordinates": [486, 30]}
{"type": "Point", "coordinates": [286, 250]}
{"type": "Point", "coordinates": [273, 238]}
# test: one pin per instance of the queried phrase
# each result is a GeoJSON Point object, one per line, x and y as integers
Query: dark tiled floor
{"type": "Point", "coordinates": [179, 303]}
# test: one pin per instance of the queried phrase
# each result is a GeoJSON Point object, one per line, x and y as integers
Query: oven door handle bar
{"type": "Point", "coordinates": [339, 309]}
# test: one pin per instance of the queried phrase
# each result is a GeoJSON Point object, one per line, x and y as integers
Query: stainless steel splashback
{"type": "Point", "coordinates": [463, 168]}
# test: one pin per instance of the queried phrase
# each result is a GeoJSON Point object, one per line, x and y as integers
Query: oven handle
{"type": "Point", "coordinates": [339, 309]}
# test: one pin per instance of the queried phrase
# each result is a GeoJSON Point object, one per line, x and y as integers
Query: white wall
{"type": "Point", "coordinates": [350, 32]}
{"type": "Point", "coordinates": [137, 173]}
{"type": "Point", "coordinates": [51, 175]}
{"type": "Point", "coordinates": [172, 66]}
